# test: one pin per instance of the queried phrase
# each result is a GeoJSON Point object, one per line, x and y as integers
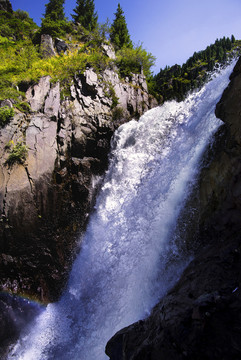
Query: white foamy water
{"type": "Point", "coordinates": [123, 267]}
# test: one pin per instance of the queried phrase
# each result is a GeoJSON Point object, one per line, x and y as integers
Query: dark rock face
{"type": "Point", "coordinates": [60, 46]}
{"type": "Point", "coordinates": [200, 317]}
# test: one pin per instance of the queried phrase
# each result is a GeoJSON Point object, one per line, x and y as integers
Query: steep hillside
{"type": "Point", "coordinates": [176, 81]}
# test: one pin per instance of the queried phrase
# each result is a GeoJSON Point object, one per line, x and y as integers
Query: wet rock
{"type": "Point", "coordinates": [15, 315]}
{"type": "Point", "coordinates": [6, 102]}
{"type": "Point", "coordinates": [200, 317]}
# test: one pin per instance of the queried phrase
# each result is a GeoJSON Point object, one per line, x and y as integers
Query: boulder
{"type": "Point", "coordinates": [46, 46]}
{"type": "Point", "coordinates": [109, 51]}
{"type": "Point", "coordinates": [60, 45]}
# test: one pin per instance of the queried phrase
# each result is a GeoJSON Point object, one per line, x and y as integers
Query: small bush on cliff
{"type": "Point", "coordinates": [117, 113]}
{"type": "Point", "coordinates": [18, 154]}
{"type": "Point", "coordinates": [134, 60]}
{"type": "Point", "coordinates": [5, 115]}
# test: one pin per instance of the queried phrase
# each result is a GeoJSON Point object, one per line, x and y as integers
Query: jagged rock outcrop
{"type": "Point", "coordinates": [45, 200]}
{"type": "Point", "coordinates": [199, 319]}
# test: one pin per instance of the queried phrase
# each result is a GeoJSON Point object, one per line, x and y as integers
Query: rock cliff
{"type": "Point", "coordinates": [200, 317]}
{"type": "Point", "coordinates": [45, 200]}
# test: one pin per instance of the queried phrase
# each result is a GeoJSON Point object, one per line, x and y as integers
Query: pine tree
{"type": "Point", "coordinates": [55, 10]}
{"type": "Point", "coordinates": [85, 14]}
{"type": "Point", "coordinates": [119, 34]}
{"type": "Point", "coordinates": [54, 22]}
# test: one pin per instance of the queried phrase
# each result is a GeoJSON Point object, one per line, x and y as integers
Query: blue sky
{"type": "Point", "coordinates": [171, 30]}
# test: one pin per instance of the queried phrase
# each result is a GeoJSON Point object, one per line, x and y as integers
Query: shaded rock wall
{"type": "Point", "coordinates": [200, 317]}
{"type": "Point", "coordinates": [45, 202]}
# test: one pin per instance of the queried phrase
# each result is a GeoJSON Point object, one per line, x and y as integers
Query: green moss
{"type": "Point", "coordinates": [5, 115]}
{"type": "Point", "coordinates": [18, 154]}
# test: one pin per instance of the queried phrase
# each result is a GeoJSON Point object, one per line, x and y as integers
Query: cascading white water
{"type": "Point", "coordinates": [122, 269]}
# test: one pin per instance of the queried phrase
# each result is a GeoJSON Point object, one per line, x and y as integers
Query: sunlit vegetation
{"type": "Point", "coordinates": [5, 115]}
{"type": "Point", "coordinates": [134, 60]}
{"type": "Point", "coordinates": [22, 63]}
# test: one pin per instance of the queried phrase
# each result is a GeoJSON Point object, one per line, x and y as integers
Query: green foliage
{"type": "Point", "coordinates": [115, 99]}
{"type": "Point", "coordinates": [54, 28]}
{"type": "Point", "coordinates": [5, 115]}
{"type": "Point", "coordinates": [119, 34]}
{"type": "Point", "coordinates": [23, 106]}
{"type": "Point", "coordinates": [117, 113]}
{"type": "Point", "coordinates": [54, 22]}
{"type": "Point", "coordinates": [18, 154]}
{"type": "Point", "coordinates": [176, 81]}
{"type": "Point", "coordinates": [16, 59]}
{"type": "Point", "coordinates": [22, 15]}
{"type": "Point", "coordinates": [85, 14]}
{"type": "Point", "coordinates": [17, 25]}
{"type": "Point", "coordinates": [134, 60]}
{"type": "Point", "coordinates": [54, 10]}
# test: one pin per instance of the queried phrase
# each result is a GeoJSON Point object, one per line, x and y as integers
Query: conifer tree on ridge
{"type": "Point", "coordinates": [119, 34]}
{"type": "Point", "coordinates": [54, 22]}
{"type": "Point", "coordinates": [55, 10]}
{"type": "Point", "coordinates": [85, 14]}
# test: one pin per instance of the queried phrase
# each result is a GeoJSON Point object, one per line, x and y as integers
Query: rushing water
{"type": "Point", "coordinates": [123, 267]}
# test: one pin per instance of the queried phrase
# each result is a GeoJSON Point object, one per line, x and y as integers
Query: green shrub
{"type": "Point", "coordinates": [23, 107]}
{"type": "Point", "coordinates": [17, 25]}
{"type": "Point", "coordinates": [134, 60]}
{"type": "Point", "coordinates": [54, 28]}
{"type": "Point", "coordinates": [117, 113]}
{"type": "Point", "coordinates": [5, 115]}
{"type": "Point", "coordinates": [115, 99]}
{"type": "Point", "coordinates": [18, 154]}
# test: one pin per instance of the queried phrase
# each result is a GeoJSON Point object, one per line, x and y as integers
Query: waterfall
{"type": "Point", "coordinates": [124, 264]}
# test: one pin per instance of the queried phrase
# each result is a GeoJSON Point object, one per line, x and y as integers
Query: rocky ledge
{"type": "Point", "coordinates": [200, 317]}
{"type": "Point", "coordinates": [45, 200]}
